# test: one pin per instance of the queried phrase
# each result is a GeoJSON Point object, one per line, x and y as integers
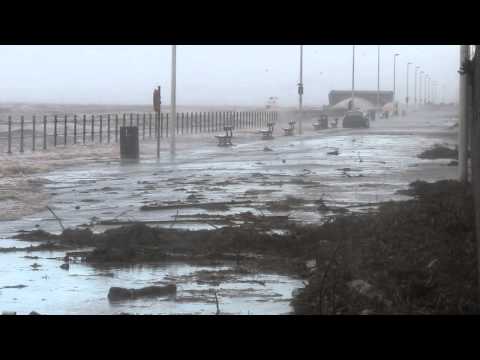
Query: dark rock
{"type": "Point", "coordinates": [34, 313]}
{"type": "Point", "coordinates": [117, 293]}
{"type": "Point", "coordinates": [65, 266]}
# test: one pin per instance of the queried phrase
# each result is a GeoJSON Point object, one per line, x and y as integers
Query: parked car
{"type": "Point", "coordinates": [355, 119]}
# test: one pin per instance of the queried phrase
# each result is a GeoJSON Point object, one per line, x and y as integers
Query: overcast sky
{"type": "Point", "coordinates": [211, 75]}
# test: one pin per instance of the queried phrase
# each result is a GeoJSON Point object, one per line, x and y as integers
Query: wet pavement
{"type": "Point", "coordinates": [345, 168]}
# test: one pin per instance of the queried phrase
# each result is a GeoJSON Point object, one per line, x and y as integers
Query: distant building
{"type": "Point", "coordinates": [337, 96]}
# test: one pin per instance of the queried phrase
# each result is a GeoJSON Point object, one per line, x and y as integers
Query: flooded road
{"type": "Point", "coordinates": [344, 168]}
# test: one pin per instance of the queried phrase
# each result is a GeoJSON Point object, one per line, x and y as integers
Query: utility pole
{"type": "Point", "coordinates": [300, 92]}
{"type": "Point", "coordinates": [462, 118]}
{"type": "Point", "coordinates": [173, 108]}
{"type": "Point", "coordinates": [408, 69]}
{"type": "Point", "coordinates": [353, 78]}
{"type": "Point", "coordinates": [394, 75]}
{"type": "Point", "coordinates": [378, 79]}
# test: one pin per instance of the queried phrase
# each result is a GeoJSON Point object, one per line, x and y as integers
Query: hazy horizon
{"type": "Point", "coordinates": [222, 75]}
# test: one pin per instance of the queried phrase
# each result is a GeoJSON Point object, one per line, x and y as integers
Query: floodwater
{"type": "Point", "coordinates": [346, 168]}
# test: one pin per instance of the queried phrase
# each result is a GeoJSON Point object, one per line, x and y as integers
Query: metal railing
{"type": "Point", "coordinates": [18, 134]}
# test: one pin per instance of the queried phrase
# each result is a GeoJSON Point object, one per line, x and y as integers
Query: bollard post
{"type": "Point", "coordinates": [45, 132]}
{"type": "Point", "coordinates": [74, 129]}
{"type": "Point", "coordinates": [108, 128]}
{"type": "Point", "coordinates": [124, 120]}
{"type": "Point", "coordinates": [84, 128]}
{"type": "Point", "coordinates": [143, 127]}
{"type": "Point", "coordinates": [131, 119]}
{"type": "Point", "coordinates": [9, 135]}
{"type": "Point", "coordinates": [187, 124]}
{"type": "Point", "coordinates": [55, 120]}
{"type": "Point", "coordinates": [138, 121]}
{"type": "Point", "coordinates": [65, 130]}
{"type": "Point", "coordinates": [101, 129]}
{"type": "Point", "coordinates": [34, 129]}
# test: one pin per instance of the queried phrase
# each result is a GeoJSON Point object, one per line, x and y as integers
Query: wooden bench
{"type": "Point", "coordinates": [322, 123]}
{"type": "Point", "coordinates": [267, 134]}
{"type": "Point", "coordinates": [290, 130]}
{"type": "Point", "coordinates": [225, 140]}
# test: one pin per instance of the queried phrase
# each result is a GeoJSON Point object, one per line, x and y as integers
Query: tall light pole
{"type": "Point", "coordinates": [353, 78]}
{"type": "Point", "coordinates": [408, 76]}
{"type": "Point", "coordinates": [300, 91]}
{"type": "Point", "coordinates": [394, 75]}
{"type": "Point", "coordinates": [425, 89]}
{"type": "Point", "coordinates": [415, 91]}
{"type": "Point", "coordinates": [173, 107]}
{"type": "Point", "coordinates": [378, 79]}
{"type": "Point", "coordinates": [420, 81]}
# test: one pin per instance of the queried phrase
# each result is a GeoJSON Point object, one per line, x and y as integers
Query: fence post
{"type": "Point", "coordinates": [124, 120]}
{"type": "Point", "coordinates": [108, 128]}
{"type": "Point", "coordinates": [34, 129]}
{"type": "Point", "coordinates": [74, 129]}
{"type": "Point", "coordinates": [143, 125]}
{"type": "Point", "coordinates": [84, 128]}
{"type": "Point", "coordinates": [166, 127]}
{"type": "Point", "coordinates": [93, 129]}
{"type": "Point", "coordinates": [55, 120]}
{"type": "Point", "coordinates": [65, 130]}
{"type": "Point", "coordinates": [150, 125]}
{"type": "Point", "coordinates": [116, 128]}
{"type": "Point", "coordinates": [131, 119]}
{"type": "Point", "coordinates": [9, 135]}
{"type": "Point", "coordinates": [22, 123]}
{"type": "Point", "coordinates": [101, 129]}
{"type": "Point", "coordinates": [160, 124]}
{"type": "Point", "coordinates": [138, 122]}
{"type": "Point", "coordinates": [44, 132]}
{"type": "Point", "coordinates": [177, 124]}
{"type": "Point", "coordinates": [182, 121]}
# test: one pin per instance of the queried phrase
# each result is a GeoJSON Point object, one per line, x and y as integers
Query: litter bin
{"type": "Point", "coordinates": [129, 146]}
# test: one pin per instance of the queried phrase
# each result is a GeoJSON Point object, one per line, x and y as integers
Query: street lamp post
{"type": "Point", "coordinates": [394, 75]}
{"type": "Point", "coordinates": [425, 90]}
{"type": "Point", "coordinates": [378, 79]}
{"type": "Point", "coordinates": [300, 91]}
{"type": "Point", "coordinates": [415, 91]}
{"type": "Point", "coordinates": [173, 108]}
{"type": "Point", "coordinates": [408, 76]}
{"type": "Point", "coordinates": [420, 81]}
{"type": "Point", "coordinates": [353, 78]}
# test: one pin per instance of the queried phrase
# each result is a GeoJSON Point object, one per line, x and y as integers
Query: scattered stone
{"type": "Point", "coordinates": [266, 148]}
{"type": "Point", "coordinates": [118, 293]}
{"type": "Point", "coordinates": [34, 313]}
{"type": "Point", "coordinates": [334, 152]}
{"type": "Point", "coordinates": [65, 266]}
{"type": "Point", "coordinates": [35, 266]}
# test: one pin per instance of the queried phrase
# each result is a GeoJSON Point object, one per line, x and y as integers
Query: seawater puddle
{"type": "Point", "coordinates": [83, 289]}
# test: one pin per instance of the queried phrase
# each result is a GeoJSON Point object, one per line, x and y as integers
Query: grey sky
{"type": "Point", "coordinates": [210, 75]}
